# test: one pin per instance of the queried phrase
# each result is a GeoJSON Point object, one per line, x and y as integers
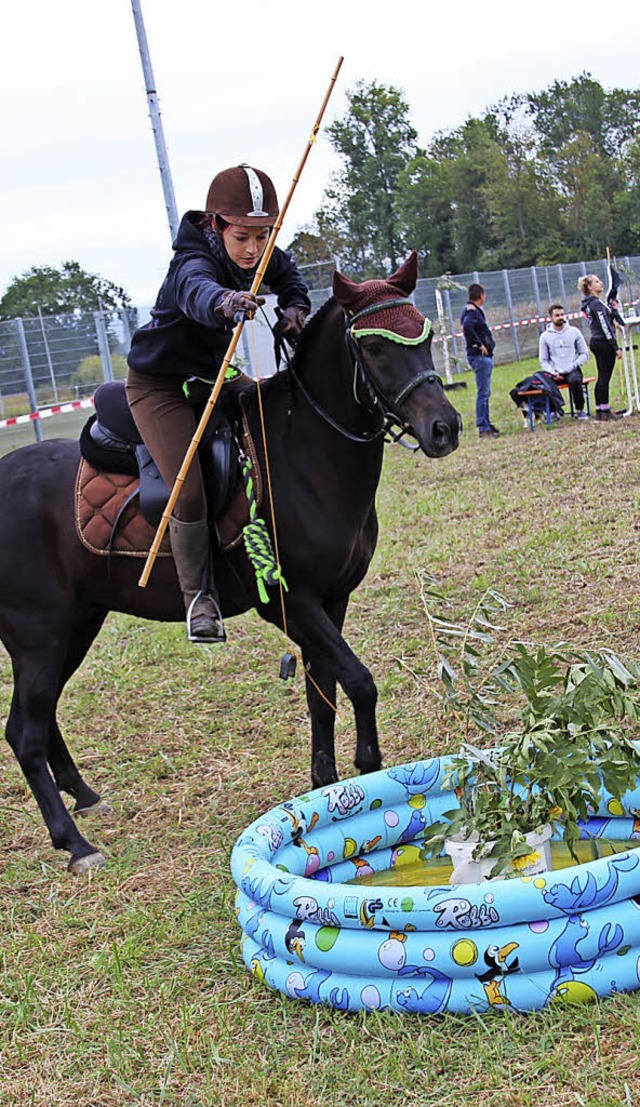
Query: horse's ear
{"type": "Point", "coordinates": [406, 275]}
{"type": "Point", "coordinates": [345, 291]}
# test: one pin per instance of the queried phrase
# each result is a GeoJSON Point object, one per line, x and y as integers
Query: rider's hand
{"type": "Point", "coordinates": [293, 321]}
{"type": "Point", "coordinates": [238, 306]}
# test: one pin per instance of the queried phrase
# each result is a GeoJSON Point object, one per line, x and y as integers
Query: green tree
{"type": "Point", "coordinates": [523, 204]}
{"type": "Point", "coordinates": [67, 297]}
{"type": "Point", "coordinates": [375, 140]}
{"type": "Point", "coordinates": [317, 249]}
{"type": "Point", "coordinates": [582, 105]}
{"type": "Point", "coordinates": [540, 178]}
{"type": "Point", "coordinates": [587, 188]}
{"type": "Point", "coordinates": [626, 203]}
{"type": "Point", "coordinates": [60, 291]}
{"type": "Point", "coordinates": [314, 243]}
{"type": "Point", "coordinates": [425, 213]}
{"type": "Point", "coordinates": [587, 137]}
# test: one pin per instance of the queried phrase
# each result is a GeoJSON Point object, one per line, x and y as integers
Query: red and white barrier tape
{"type": "Point", "coordinates": [522, 323]}
{"type": "Point", "coordinates": [64, 409]}
{"type": "Point", "coordinates": [57, 409]}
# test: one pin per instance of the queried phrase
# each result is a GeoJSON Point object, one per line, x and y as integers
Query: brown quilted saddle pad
{"type": "Point", "coordinates": [109, 521]}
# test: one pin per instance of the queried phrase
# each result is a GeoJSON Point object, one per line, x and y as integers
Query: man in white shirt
{"type": "Point", "coordinates": [562, 352]}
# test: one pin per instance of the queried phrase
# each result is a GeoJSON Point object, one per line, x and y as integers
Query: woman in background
{"type": "Point", "coordinates": [603, 342]}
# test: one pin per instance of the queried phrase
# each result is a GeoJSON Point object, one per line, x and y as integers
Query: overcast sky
{"type": "Point", "coordinates": [243, 82]}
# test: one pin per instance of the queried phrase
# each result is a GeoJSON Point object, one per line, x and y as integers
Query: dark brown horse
{"type": "Point", "coordinates": [324, 420]}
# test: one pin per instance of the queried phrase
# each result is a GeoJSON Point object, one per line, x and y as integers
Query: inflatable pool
{"type": "Point", "coordinates": [316, 928]}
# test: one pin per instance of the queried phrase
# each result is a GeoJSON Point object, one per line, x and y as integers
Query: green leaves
{"type": "Point", "coordinates": [537, 178]}
{"type": "Point", "coordinates": [577, 713]}
{"type": "Point", "coordinates": [60, 291]}
{"type": "Point", "coordinates": [375, 140]}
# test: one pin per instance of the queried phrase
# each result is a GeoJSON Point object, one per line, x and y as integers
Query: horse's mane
{"type": "Point", "coordinates": [281, 381]}
{"type": "Point", "coordinates": [309, 331]}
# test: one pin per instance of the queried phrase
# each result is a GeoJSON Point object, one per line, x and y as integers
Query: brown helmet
{"type": "Point", "coordinates": [244, 196]}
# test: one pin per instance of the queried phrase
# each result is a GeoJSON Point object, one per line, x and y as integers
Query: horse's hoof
{"type": "Point", "coordinates": [99, 808]}
{"type": "Point", "coordinates": [83, 864]}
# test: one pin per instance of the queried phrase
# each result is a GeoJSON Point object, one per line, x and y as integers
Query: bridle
{"type": "Point", "coordinates": [366, 393]}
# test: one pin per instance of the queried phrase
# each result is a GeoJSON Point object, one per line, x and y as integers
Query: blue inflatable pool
{"type": "Point", "coordinates": [562, 936]}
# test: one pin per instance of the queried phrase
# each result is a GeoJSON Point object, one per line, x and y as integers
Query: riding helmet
{"type": "Point", "coordinates": [243, 196]}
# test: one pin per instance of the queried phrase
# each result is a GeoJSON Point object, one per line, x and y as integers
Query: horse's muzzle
{"type": "Point", "coordinates": [443, 438]}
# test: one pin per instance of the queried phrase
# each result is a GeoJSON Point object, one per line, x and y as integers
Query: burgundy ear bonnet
{"type": "Point", "coordinates": [401, 322]}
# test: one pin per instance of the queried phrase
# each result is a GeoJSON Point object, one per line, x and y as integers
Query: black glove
{"type": "Point", "coordinates": [292, 321]}
{"type": "Point", "coordinates": [238, 306]}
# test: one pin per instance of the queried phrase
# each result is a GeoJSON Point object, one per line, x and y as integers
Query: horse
{"type": "Point", "coordinates": [325, 417]}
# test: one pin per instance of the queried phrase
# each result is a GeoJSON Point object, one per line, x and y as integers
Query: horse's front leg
{"type": "Point", "coordinates": [328, 659]}
{"type": "Point", "coordinates": [321, 697]}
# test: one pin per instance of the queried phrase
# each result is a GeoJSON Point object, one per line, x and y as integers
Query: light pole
{"type": "Point", "coordinates": [156, 121]}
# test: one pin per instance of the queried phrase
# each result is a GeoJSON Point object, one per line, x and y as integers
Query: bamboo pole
{"type": "Point", "coordinates": [217, 387]}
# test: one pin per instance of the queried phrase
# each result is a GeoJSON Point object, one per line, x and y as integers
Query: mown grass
{"type": "Point", "coordinates": [127, 987]}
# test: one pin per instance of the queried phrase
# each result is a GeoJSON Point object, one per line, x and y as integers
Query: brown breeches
{"type": "Point", "coordinates": [166, 423]}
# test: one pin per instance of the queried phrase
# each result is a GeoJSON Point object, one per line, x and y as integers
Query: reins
{"type": "Point", "coordinates": [288, 663]}
{"type": "Point", "coordinates": [392, 426]}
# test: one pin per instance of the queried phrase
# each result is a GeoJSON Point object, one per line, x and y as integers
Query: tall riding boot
{"type": "Point", "coordinates": [190, 546]}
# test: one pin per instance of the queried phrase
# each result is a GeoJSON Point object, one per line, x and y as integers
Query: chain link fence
{"type": "Point", "coordinates": [52, 361]}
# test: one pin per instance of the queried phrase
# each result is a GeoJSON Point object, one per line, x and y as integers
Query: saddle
{"type": "Point", "coordinates": [120, 495]}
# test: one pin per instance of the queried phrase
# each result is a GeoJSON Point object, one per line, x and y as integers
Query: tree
{"type": "Point", "coordinates": [587, 136]}
{"type": "Point", "coordinates": [425, 212]}
{"type": "Point", "coordinates": [317, 249]}
{"type": "Point", "coordinates": [67, 297]}
{"type": "Point", "coordinates": [63, 291]}
{"type": "Point", "coordinates": [587, 189]}
{"type": "Point", "coordinates": [582, 105]}
{"type": "Point", "coordinates": [626, 204]}
{"type": "Point", "coordinates": [540, 178]}
{"type": "Point", "coordinates": [375, 139]}
{"type": "Point", "coordinates": [524, 206]}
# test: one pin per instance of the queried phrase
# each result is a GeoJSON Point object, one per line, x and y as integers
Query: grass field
{"type": "Point", "coordinates": [127, 987]}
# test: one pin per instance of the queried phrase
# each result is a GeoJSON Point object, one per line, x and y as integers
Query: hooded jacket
{"type": "Point", "coordinates": [600, 320]}
{"type": "Point", "coordinates": [186, 337]}
{"type": "Point", "coordinates": [476, 331]}
{"type": "Point", "coordinates": [560, 351]}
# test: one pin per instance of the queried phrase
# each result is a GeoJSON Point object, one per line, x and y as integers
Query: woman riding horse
{"type": "Point", "coordinates": [205, 292]}
{"type": "Point", "coordinates": [363, 367]}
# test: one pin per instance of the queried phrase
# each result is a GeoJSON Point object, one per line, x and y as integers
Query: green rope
{"type": "Point", "coordinates": [257, 541]}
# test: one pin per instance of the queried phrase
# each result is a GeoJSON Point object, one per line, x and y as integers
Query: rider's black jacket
{"type": "Point", "coordinates": [186, 336]}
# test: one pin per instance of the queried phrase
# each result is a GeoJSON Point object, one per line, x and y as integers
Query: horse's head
{"type": "Point", "coordinates": [391, 344]}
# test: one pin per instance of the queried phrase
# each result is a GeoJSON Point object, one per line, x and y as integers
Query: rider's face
{"type": "Point", "coordinates": [245, 245]}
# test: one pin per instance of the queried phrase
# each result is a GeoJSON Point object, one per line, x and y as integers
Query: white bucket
{"type": "Point", "coordinates": [466, 870]}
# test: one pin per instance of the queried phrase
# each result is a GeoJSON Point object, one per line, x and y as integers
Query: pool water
{"type": "Point", "coordinates": [437, 870]}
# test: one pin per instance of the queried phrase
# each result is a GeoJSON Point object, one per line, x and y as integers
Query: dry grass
{"type": "Point", "coordinates": [126, 988]}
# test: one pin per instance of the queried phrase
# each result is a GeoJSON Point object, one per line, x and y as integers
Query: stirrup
{"type": "Point", "coordinates": [200, 638]}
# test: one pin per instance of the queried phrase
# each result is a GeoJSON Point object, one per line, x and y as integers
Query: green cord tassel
{"type": "Point", "coordinates": [257, 541]}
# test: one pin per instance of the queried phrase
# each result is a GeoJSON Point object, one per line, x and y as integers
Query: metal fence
{"type": "Point", "coordinates": [51, 361]}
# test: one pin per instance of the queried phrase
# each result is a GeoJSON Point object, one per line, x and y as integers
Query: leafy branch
{"type": "Point", "coordinates": [578, 721]}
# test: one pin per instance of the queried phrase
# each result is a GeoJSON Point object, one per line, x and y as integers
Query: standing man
{"type": "Point", "coordinates": [562, 352]}
{"type": "Point", "coordinates": [480, 347]}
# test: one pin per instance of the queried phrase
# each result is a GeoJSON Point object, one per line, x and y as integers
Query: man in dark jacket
{"type": "Point", "coordinates": [205, 293]}
{"type": "Point", "coordinates": [480, 346]}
